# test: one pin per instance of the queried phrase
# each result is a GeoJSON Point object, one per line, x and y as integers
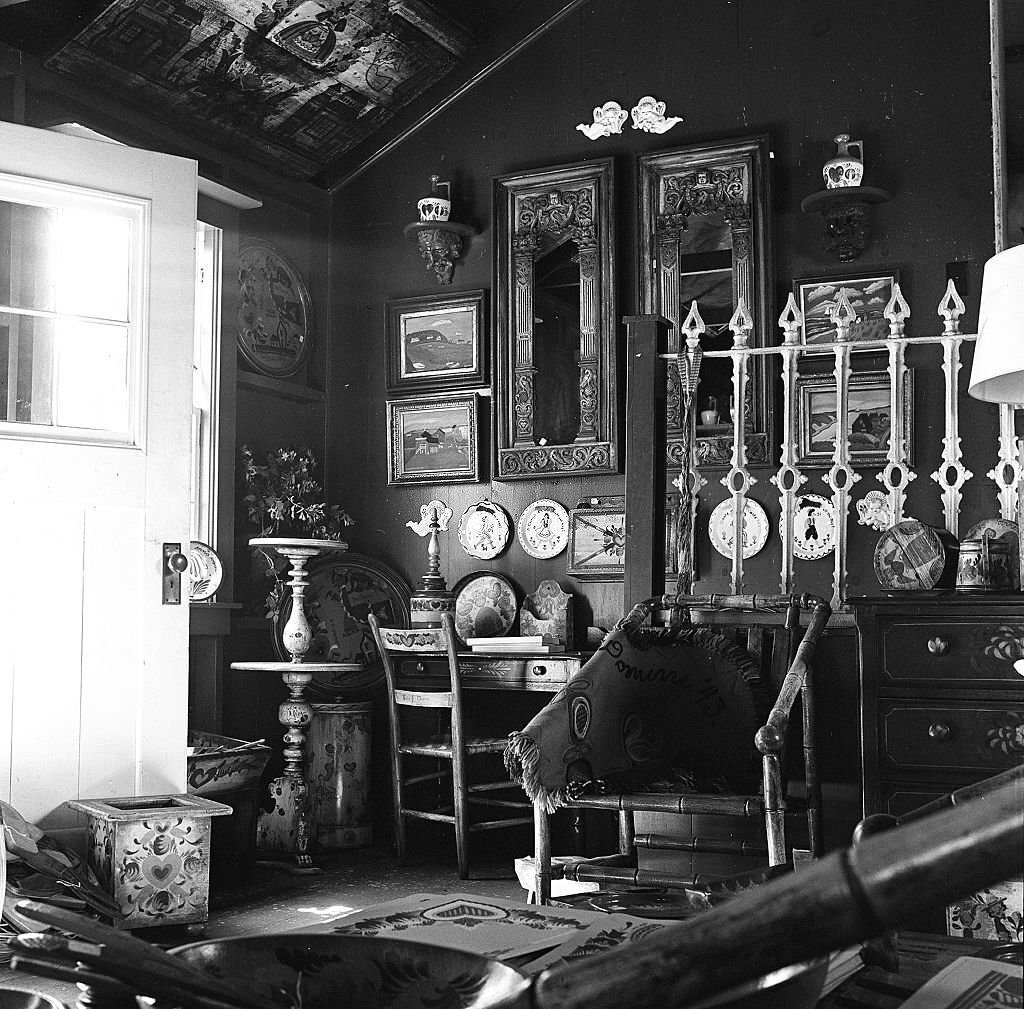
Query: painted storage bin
{"type": "Point", "coordinates": [152, 855]}
{"type": "Point", "coordinates": [338, 773]}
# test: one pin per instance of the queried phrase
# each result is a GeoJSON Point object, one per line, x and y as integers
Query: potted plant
{"type": "Point", "coordinates": [283, 498]}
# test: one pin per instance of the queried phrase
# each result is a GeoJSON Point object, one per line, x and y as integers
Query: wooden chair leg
{"type": "Point", "coordinates": [399, 800]}
{"type": "Point", "coordinates": [461, 815]}
{"type": "Point", "coordinates": [541, 854]}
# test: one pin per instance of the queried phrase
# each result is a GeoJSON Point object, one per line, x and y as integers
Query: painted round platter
{"type": "Point", "coordinates": [485, 605]}
{"type": "Point", "coordinates": [543, 529]}
{"type": "Point", "coordinates": [754, 533]}
{"type": "Point", "coordinates": [814, 527]}
{"type": "Point", "coordinates": [274, 314]}
{"type": "Point", "coordinates": [205, 572]}
{"type": "Point", "coordinates": [343, 589]}
{"type": "Point", "coordinates": [484, 530]}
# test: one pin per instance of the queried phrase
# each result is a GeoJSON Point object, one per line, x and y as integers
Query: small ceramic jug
{"type": "Point", "coordinates": [847, 167]}
{"type": "Point", "coordinates": [436, 207]}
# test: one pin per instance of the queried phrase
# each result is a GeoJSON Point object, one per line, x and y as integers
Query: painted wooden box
{"type": "Point", "coordinates": [152, 855]}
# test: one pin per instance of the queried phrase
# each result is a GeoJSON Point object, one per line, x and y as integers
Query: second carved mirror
{"type": "Point", "coordinates": [705, 238]}
{"type": "Point", "coordinates": [555, 322]}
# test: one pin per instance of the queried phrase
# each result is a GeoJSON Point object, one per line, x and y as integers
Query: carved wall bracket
{"type": "Point", "coordinates": [846, 215]}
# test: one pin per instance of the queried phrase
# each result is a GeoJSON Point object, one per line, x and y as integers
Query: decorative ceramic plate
{"type": "Point", "coordinates": [343, 588]}
{"type": "Point", "coordinates": [543, 529]}
{"type": "Point", "coordinates": [484, 530]}
{"type": "Point", "coordinates": [205, 572]}
{"type": "Point", "coordinates": [754, 533]}
{"type": "Point", "coordinates": [995, 528]}
{"type": "Point", "coordinates": [274, 314]}
{"type": "Point", "coordinates": [485, 605]}
{"type": "Point", "coordinates": [814, 527]}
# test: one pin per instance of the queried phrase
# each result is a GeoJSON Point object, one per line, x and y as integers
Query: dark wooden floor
{"type": "Point", "coordinates": [267, 897]}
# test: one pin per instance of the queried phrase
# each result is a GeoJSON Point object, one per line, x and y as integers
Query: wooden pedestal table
{"type": "Point", "coordinates": [288, 827]}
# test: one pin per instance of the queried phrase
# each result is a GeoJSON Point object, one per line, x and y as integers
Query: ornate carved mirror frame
{"type": "Point", "coordinates": [704, 228]}
{"type": "Point", "coordinates": [556, 366]}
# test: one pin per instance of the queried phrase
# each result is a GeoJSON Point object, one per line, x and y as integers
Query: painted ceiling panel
{"type": "Point", "coordinates": [293, 84]}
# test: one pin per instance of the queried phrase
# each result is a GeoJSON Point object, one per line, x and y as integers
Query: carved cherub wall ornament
{"type": "Point", "coordinates": [608, 119]}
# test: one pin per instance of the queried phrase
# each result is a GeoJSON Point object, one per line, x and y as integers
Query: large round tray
{"type": "Point", "coordinates": [343, 589]}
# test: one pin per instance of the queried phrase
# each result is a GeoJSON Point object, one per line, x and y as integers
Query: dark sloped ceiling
{"type": "Point", "coordinates": [308, 89]}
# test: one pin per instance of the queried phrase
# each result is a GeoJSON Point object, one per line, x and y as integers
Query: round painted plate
{"type": "Point", "coordinates": [205, 572]}
{"type": "Point", "coordinates": [484, 530]}
{"type": "Point", "coordinates": [543, 529]}
{"type": "Point", "coordinates": [755, 528]}
{"type": "Point", "coordinates": [485, 606]}
{"type": "Point", "coordinates": [343, 589]}
{"type": "Point", "coordinates": [650, 903]}
{"type": "Point", "coordinates": [814, 527]}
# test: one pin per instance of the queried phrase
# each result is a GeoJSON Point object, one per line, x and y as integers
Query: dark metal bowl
{"type": "Point", "coordinates": [15, 998]}
{"type": "Point", "coordinates": [322, 971]}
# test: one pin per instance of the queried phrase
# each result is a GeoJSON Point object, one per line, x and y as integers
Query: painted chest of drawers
{"type": "Point", "coordinates": [942, 704]}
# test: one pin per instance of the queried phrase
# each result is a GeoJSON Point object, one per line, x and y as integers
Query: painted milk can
{"type": "Point", "coordinates": [338, 774]}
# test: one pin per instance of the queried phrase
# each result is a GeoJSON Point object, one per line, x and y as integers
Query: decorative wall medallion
{"type": "Point", "coordinates": [484, 530]}
{"type": "Point", "coordinates": [873, 510]}
{"type": "Point", "coordinates": [814, 527]}
{"type": "Point", "coordinates": [608, 119]}
{"type": "Point", "coordinates": [543, 529]}
{"type": "Point", "coordinates": [274, 317]}
{"type": "Point", "coordinates": [754, 534]}
{"type": "Point", "coordinates": [649, 115]}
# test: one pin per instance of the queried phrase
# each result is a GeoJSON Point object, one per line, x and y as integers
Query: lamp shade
{"type": "Point", "coordinates": [998, 371]}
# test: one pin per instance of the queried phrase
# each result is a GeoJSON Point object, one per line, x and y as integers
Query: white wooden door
{"type": "Point", "coordinates": [93, 666]}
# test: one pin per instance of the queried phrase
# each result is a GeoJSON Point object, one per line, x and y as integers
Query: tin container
{"type": "Point", "coordinates": [984, 566]}
{"type": "Point", "coordinates": [338, 773]}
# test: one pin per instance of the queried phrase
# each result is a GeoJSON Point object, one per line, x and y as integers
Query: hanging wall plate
{"type": "Point", "coordinates": [205, 572]}
{"type": "Point", "coordinates": [754, 533]}
{"type": "Point", "coordinates": [484, 530]}
{"type": "Point", "coordinates": [543, 529]}
{"type": "Point", "coordinates": [814, 527]}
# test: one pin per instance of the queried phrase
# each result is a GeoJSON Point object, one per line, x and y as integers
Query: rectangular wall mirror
{"type": "Point", "coordinates": [555, 322]}
{"type": "Point", "coordinates": [704, 237]}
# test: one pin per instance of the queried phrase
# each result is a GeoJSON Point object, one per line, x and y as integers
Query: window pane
{"type": "Point", "coordinates": [27, 246]}
{"type": "Point", "coordinates": [26, 369]}
{"type": "Point", "coordinates": [93, 264]}
{"type": "Point", "coordinates": [91, 376]}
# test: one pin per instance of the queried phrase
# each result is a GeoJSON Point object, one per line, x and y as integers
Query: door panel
{"type": "Point", "coordinates": [93, 690]}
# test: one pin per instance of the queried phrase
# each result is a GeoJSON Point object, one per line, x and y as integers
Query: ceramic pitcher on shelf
{"type": "Point", "coordinates": [847, 167]}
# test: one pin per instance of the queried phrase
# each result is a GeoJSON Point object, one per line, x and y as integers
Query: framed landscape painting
{"type": "Point", "coordinates": [436, 343]}
{"type": "Point", "coordinates": [868, 295]}
{"type": "Point", "coordinates": [869, 421]}
{"type": "Point", "coordinates": [433, 441]}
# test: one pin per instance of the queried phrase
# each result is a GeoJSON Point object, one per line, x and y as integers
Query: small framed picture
{"type": "Point", "coordinates": [868, 295]}
{"type": "Point", "coordinates": [433, 441]}
{"type": "Point", "coordinates": [436, 343]}
{"type": "Point", "coordinates": [597, 543]}
{"type": "Point", "coordinates": [869, 424]}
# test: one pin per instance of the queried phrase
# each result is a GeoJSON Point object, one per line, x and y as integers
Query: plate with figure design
{"type": "Point", "coordinates": [721, 528]}
{"type": "Point", "coordinates": [814, 527]}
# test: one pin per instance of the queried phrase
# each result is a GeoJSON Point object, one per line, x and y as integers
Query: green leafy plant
{"type": "Point", "coordinates": [284, 498]}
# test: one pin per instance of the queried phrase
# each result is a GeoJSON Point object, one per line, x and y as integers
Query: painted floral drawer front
{"type": "Point", "coordinates": [941, 651]}
{"type": "Point", "coordinates": [986, 738]}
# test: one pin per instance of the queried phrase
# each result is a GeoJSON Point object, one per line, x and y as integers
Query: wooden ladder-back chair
{"type": "Point", "coordinates": [451, 748]}
{"type": "Point", "coordinates": [712, 693]}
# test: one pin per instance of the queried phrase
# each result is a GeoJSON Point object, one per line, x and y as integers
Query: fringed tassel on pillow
{"type": "Point", "coordinates": [522, 761]}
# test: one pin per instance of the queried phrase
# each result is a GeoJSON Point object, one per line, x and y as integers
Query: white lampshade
{"type": "Point", "coordinates": [998, 371]}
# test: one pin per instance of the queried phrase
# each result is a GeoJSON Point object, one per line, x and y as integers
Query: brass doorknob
{"type": "Point", "coordinates": [178, 563]}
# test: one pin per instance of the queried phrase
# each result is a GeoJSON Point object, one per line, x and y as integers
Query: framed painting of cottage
{"type": "Point", "coordinates": [868, 295]}
{"type": "Point", "coordinates": [433, 441]}
{"type": "Point", "coordinates": [869, 420]}
{"type": "Point", "coordinates": [436, 343]}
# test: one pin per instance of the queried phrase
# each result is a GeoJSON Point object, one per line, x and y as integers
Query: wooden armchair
{"type": "Point", "coordinates": [713, 693]}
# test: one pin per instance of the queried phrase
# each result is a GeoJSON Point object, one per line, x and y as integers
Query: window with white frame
{"type": "Point", "coordinates": [73, 272]}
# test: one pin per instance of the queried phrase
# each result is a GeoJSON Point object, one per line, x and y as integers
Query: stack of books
{"type": "Point", "coordinates": [523, 644]}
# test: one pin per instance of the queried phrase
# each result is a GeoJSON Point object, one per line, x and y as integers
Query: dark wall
{"type": "Point", "coordinates": [912, 82]}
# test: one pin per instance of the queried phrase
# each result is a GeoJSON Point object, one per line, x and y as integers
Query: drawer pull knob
{"type": "Point", "coordinates": [540, 670]}
{"type": "Point", "coordinates": [938, 731]}
{"type": "Point", "coordinates": [938, 646]}
{"type": "Point", "coordinates": [420, 668]}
